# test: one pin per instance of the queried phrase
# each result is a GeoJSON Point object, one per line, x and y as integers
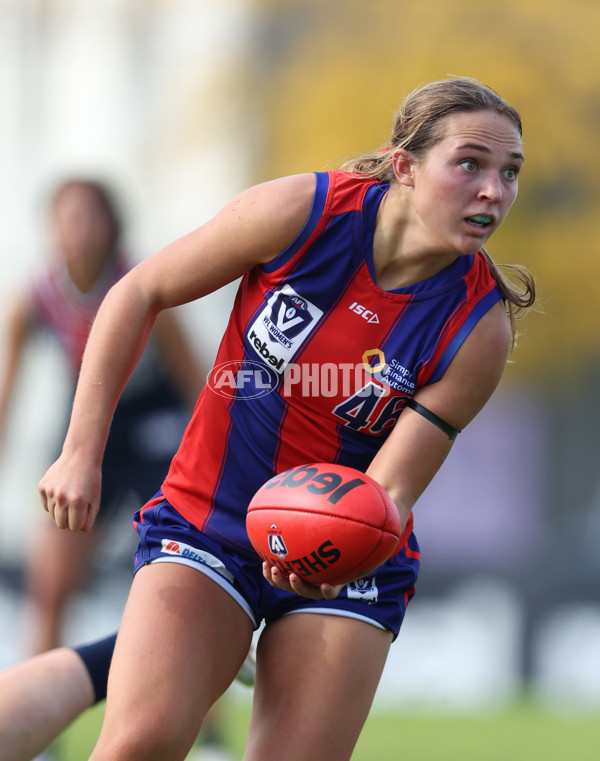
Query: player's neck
{"type": "Point", "coordinates": [402, 253]}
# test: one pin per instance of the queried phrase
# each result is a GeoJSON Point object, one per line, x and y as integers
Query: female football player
{"type": "Point", "coordinates": [400, 232]}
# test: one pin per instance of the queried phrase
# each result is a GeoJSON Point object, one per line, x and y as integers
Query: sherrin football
{"type": "Point", "coordinates": [324, 522]}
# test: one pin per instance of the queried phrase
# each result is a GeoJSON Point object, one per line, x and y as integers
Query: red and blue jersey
{"type": "Point", "coordinates": [66, 312]}
{"type": "Point", "coordinates": [317, 360]}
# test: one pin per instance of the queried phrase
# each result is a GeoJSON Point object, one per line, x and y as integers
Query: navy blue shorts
{"type": "Point", "coordinates": [380, 599]}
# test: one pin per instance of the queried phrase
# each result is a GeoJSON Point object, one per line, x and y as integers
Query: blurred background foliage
{"type": "Point", "coordinates": [329, 76]}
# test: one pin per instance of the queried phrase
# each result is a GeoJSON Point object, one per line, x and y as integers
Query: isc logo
{"type": "Point", "coordinates": [366, 314]}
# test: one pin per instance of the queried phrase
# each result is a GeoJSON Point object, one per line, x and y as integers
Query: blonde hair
{"type": "Point", "coordinates": [417, 127]}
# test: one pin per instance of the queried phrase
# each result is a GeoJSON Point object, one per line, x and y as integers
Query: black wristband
{"type": "Point", "coordinates": [450, 431]}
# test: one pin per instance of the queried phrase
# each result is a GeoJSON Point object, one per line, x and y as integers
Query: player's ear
{"type": "Point", "coordinates": [403, 163]}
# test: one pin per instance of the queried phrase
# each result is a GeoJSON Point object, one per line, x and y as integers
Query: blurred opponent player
{"type": "Point", "coordinates": [61, 301]}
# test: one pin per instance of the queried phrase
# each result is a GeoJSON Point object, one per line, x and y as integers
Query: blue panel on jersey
{"type": "Point", "coordinates": [486, 303]}
{"type": "Point", "coordinates": [313, 219]}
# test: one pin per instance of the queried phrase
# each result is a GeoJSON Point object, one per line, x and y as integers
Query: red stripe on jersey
{"type": "Point", "coordinates": [150, 505]}
{"type": "Point", "coordinates": [412, 553]}
{"type": "Point", "coordinates": [354, 337]}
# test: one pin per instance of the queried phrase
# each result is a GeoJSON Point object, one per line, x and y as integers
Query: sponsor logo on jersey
{"type": "Point", "coordinates": [399, 377]}
{"type": "Point", "coordinates": [392, 374]}
{"type": "Point", "coordinates": [364, 590]}
{"type": "Point", "coordinates": [374, 361]}
{"type": "Point", "coordinates": [281, 327]}
{"type": "Point", "coordinates": [366, 314]}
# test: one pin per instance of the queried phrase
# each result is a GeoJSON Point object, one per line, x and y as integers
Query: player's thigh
{"type": "Point", "coordinates": [181, 642]}
{"type": "Point", "coordinates": [316, 679]}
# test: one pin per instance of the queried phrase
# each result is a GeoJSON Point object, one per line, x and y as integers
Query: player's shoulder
{"type": "Point", "coordinates": [289, 194]}
{"type": "Point", "coordinates": [494, 329]}
{"type": "Point", "coordinates": [272, 213]}
{"type": "Point", "coordinates": [478, 365]}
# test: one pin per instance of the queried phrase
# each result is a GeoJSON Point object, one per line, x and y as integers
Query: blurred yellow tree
{"type": "Point", "coordinates": [330, 74]}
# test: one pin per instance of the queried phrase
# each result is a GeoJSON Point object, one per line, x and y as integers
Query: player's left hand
{"type": "Point", "coordinates": [293, 583]}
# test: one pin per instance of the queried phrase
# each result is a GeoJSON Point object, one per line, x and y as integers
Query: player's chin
{"type": "Point", "coordinates": [470, 247]}
{"type": "Point", "coordinates": [473, 241]}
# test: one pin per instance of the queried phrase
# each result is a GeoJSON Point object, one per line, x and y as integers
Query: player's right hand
{"type": "Point", "coordinates": [70, 493]}
{"type": "Point", "coordinates": [293, 583]}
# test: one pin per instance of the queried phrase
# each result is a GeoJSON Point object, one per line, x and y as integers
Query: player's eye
{"type": "Point", "coordinates": [511, 173]}
{"type": "Point", "coordinates": [469, 165]}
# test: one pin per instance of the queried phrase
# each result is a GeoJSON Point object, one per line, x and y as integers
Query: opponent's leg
{"type": "Point", "coordinates": [181, 642]}
{"type": "Point", "coordinates": [57, 566]}
{"type": "Point", "coordinates": [39, 698]}
{"type": "Point", "coordinates": [315, 682]}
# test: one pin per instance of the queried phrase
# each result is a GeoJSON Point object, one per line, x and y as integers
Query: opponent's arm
{"type": "Point", "coordinates": [251, 229]}
{"type": "Point", "coordinates": [179, 358]}
{"type": "Point", "coordinates": [18, 329]}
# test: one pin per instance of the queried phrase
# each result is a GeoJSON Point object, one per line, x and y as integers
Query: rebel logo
{"type": "Point", "coordinates": [315, 482]}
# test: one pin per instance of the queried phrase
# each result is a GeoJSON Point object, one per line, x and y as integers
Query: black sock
{"type": "Point", "coordinates": [97, 657]}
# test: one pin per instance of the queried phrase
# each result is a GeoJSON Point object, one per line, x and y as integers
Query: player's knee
{"type": "Point", "coordinates": [50, 598]}
{"type": "Point", "coordinates": [151, 735]}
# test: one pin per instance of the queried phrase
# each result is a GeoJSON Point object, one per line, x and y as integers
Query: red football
{"type": "Point", "coordinates": [325, 522]}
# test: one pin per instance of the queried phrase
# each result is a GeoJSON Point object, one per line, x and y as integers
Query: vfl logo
{"type": "Point", "coordinates": [281, 327]}
{"type": "Point", "coordinates": [364, 590]}
{"type": "Point", "coordinates": [276, 543]}
{"type": "Point", "coordinates": [289, 316]}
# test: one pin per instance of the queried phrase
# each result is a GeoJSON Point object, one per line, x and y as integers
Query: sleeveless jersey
{"type": "Point", "coordinates": [67, 314]}
{"type": "Point", "coordinates": [61, 308]}
{"type": "Point", "coordinates": [317, 361]}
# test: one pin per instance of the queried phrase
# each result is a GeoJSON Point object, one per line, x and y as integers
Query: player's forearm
{"type": "Point", "coordinates": [116, 342]}
{"type": "Point", "coordinates": [15, 340]}
{"type": "Point", "coordinates": [7, 386]}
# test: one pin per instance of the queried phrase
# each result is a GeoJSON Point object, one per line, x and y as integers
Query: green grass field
{"type": "Point", "coordinates": [524, 732]}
